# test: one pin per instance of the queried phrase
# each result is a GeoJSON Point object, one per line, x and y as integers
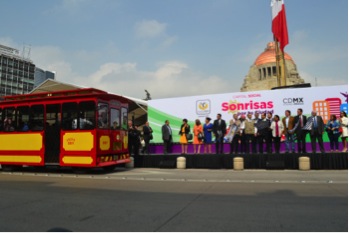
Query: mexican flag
{"type": "Point", "coordinates": [279, 24]}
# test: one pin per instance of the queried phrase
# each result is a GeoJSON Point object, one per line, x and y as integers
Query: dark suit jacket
{"type": "Point", "coordinates": [147, 131]}
{"type": "Point", "coordinates": [296, 120]}
{"type": "Point", "coordinates": [320, 125]}
{"type": "Point", "coordinates": [166, 135]}
{"type": "Point", "coordinates": [263, 127]}
{"type": "Point", "coordinates": [222, 127]}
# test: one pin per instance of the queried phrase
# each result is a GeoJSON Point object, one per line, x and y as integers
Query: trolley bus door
{"type": "Point", "coordinates": [52, 134]}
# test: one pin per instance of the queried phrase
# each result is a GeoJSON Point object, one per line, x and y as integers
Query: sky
{"type": "Point", "coordinates": [173, 48]}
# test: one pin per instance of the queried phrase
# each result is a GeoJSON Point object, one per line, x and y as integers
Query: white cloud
{"type": "Point", "coordinates": [168, 79]}
{"type": "Point", "coordinates": [169, 41]}
{"type": "Point", "coordinates": [321, 80]}
{"type": "Point", "coordinates": [7, 41]}
{"type": "Point", "coordinates": [153, 34]}
{"type": "Point", "coordinates": [150, 29]}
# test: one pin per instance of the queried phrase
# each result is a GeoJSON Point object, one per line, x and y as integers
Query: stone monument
{"type": "Point", "coordinates": [262, 74]}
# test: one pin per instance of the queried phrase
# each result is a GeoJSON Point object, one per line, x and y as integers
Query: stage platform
{"type": "Point", "coordinates": [156, 159]}
{"type": "Point", "coordinates": [327, 161]}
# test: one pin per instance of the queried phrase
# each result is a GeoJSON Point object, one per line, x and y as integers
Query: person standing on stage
{"type": "Point", "coordinates": [184, 131]}
{"type": "Point", "coordinates": [234, 134]}
{"type": "Point", "coordinates": [316, 131]}
{"type": "Point", "coordinates": [332, 128]}
{"type": "Point", "coordinates": [263, 129]}
{"type": "Point", "coordinates": [219, 130]}
{"type": "Point", "coordinates": [147, 136]}
{"type": "Point", "coordinates": [277, 128]}
{"type": "Point", "coordinates": [288, 122]}
{"type": "Point", "coordinates": [134, 141]}
{"type": "Point", "coordinates": [250, 132]}
{"type": "Point", "coordinates": [269, 135]}
{"type": "Point", "coordinates": [344, 125]}
{"type": "Point", "coordinates": [242, 134]}
{"type": "Point", "coordinates": [300, 121]}
{"type": "Point", "coordinates": [167, 137]}
{"type": "Point", "coordinates": [208, 126]}
{"type": "Point", "coordinates": [256, 135]}
{"type": "Point", "coordinates": [197, 141]}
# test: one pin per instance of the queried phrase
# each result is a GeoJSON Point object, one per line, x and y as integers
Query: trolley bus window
{"type": "Point", "coordinates": [9, 119]}
{"type": "Point", "coordinates": [23, 118]}
{"type": "Point", "coordinates": [36, 121]}
{"type": "Point", "coordinates": [53, 115]}
{"type": "Point", "coordinates": [103, 116]}
{"type": "Point", "coordinates": [70, 112]}
{"type": "Point", "coordinates": [1, 120]}
{"type": "Point", "coordinates": [115, 118]}
{"type": "Point", "coordinates": [87, 115]}
{"type": "Point", "coordinates": [124, 119]}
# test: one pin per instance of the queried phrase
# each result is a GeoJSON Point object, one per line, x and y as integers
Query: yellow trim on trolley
{"type": "Point", "coordinates": [21, 142]}
{"type": "Point", "coordinates": [77, 160]}
{"type": "Point", "coordinates": [104, 143]}
{"type": "Point", "coordinates": [78, 141]}
{"type": "Point", "coordinates": [20, 158]}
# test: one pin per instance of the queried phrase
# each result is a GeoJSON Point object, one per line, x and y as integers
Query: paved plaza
{"type": "Point", "coordinates": [174, 200]}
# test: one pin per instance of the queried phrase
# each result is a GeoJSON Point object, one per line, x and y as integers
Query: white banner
{"type": "Point", "coordinates": [325, 100]}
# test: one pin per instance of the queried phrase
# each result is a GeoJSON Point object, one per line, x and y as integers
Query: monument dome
{"type": "Point", "coordinates": [262, 74]}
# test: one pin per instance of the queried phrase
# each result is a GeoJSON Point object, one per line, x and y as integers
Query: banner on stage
{"type": "Point", "coordinates": [325, 100]}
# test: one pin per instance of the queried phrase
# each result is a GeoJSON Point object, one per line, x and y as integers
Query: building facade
{"type": "Point", "coordinates": [262, 74]}
{"type": "Point", "coordinates": [16, 72]}
{"type": "Point", "coordinates": [41, 76]}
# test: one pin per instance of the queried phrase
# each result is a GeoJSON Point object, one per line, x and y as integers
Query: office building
{"type": "Point", "coordinates": [16, 72]}
{"type": "Point", "coordinates": [41, 76]}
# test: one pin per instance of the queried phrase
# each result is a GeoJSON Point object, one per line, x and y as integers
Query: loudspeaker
{"type": "Point", "coordinates": [167, 164]}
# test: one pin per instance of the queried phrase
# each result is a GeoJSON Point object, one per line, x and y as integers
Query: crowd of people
{"type": "Point", "coordinates": [258, 133]}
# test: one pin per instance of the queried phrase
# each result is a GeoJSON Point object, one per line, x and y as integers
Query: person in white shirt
{"type": "Point", "coordinates": [277, 128]}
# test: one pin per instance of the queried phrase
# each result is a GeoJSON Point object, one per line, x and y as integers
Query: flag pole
{"type": "Point", "coordinates": [283, 69]}
{"type": "Point", "coordinates": [280, 65]}
{"type": "Point", "coordinates": [277, 58]}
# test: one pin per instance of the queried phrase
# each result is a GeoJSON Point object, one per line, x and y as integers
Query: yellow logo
{"type": "Point", "coordinates": [203, 107]}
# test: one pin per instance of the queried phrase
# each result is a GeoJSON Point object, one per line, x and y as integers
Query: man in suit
{"type": "Point", "coordinates": [167, 137]}
{"type": "Point", "coordinates": [262, 133]}
{"type": "Point", "coordinates": [269, 136]}
{"type": "Point", "coordinates": [133, 142]}
{"type": "Point", "coordinates": [219, 130]}
{"type": "Point", "coordinates": [147, 136]}
{"type": "Point", "coordinates": [256, 137]}
{"type": "Point", "coordinates": [316, 131]}
{"type": "Point", "coordinates": [300, 121]}
{"type": "Point", "coordinates": [288, 122]}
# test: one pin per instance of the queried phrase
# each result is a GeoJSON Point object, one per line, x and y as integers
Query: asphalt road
{"type": "Point", "coordinates": [174, 200]}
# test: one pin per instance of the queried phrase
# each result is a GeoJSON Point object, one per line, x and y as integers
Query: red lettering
{"type": "Point", "coordinates": [225, 106]}
{"type": "Point", "coordinates": [247, 106]}
{"type": "Point", "coordinates": [270, 104]}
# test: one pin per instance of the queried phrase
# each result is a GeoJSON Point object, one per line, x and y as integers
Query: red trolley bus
{"type": "Point", "coordinates": [76, 128]}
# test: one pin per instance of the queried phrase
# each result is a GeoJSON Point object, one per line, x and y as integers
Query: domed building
{"type": "Point", "coordinates": [262, 74]}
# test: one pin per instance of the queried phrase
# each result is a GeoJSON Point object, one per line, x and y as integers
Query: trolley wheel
{"type": "Point", "coordinates": [9, 168]}
{"type": "Point", "coordinates": [80, 170]}
{"type": "Point", "coordinates": [109, 168]}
